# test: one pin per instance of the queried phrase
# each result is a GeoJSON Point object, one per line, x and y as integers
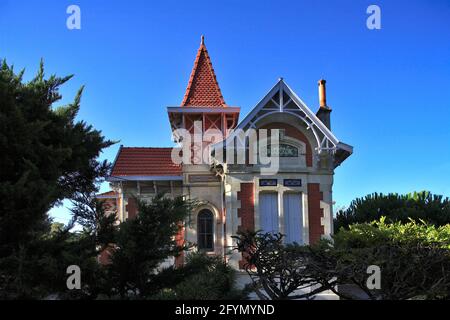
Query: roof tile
{"type": "Point", "coordinates": [203, 89]}
{"type": "Point", "coordinates": [145, 162]}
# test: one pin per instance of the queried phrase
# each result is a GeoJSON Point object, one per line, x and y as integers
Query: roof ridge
{"type": "Point", "coordinates": [212, 93]}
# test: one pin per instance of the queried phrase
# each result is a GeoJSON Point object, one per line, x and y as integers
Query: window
{"type": "Point", "coordinates": [293, 218]}
{"type": "Point", "coordinates": [268, 208]}
{"type": "Point", "coordinates": [205, 230]}
{"type": "Point", "coordinates": [284, 150]}
{"type": "Point", "coordinates": [268, 182]}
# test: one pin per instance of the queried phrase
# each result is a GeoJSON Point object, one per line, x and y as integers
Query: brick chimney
{"type": "Point", "coordinates": [324, 111]}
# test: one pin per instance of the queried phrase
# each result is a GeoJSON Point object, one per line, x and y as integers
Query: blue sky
{"type": "Point", "coordinates": [389, 88]}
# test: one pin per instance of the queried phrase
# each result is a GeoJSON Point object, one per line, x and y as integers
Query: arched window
{"type": "Point", "coordinates": [283, 150]}
{"type": "Point", "coordinates": [205, 230]}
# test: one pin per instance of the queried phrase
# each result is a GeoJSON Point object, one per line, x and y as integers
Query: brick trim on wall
{"type": "Point", "coordinates": [247, 210]}
{"type": "Point", "coordinates": [104, 258]}
{"type": "Point", "coordinates": [179, 238]}
{"type": "Point", "coordinates": [315, 213]}
{"type": "Point", "coordinates": [131, 208]}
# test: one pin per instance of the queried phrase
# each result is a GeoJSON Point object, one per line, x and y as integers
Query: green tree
{"type": "Point", "coordinates": [414, 259]}
{"type": "Point", "coordinates": [434, 209]}
{"type": "Point", "coordinates": [47, 156]}
{"type": "Point", "coordinates": [144, 242]}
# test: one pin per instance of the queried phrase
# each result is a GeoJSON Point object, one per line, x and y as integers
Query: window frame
{"type": "Point", "coordinates": [202, 217]}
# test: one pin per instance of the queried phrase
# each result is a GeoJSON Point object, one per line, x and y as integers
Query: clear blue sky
{"type": "Point", "coordinates": [389, 88]}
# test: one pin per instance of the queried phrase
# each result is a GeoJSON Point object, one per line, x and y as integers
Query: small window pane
{"type": "Point", "coordinates": [283, 150]}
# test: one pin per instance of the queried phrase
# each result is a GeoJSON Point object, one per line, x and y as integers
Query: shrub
{"type": "Point", "coordinates": [414, 259]}
{"type": "Point", "coordinates": [276, 268]}
{"type": "Point", "coordinates": [380, 232]}
{"type": "Point", "coordinates": [434, 209]}
{"type": "Point", "coordinates": [201, 278]}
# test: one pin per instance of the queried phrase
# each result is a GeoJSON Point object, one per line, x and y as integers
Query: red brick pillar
{"type": "Point", "coordinates": [315, 213]}
{"type": "Point", "coordinates": [104, 258]}
{"type": "Point", "coordinates": [131, 208]}
{"type": "Point", "coordinates": [179, 238]}
{"type": "Point", "coordinates": [247, 210]}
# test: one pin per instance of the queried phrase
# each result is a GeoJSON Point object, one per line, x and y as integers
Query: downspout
{"type": "Point", "coordinates": [121, 202]}
{"type": "Point", "coordinates": [223, 209]}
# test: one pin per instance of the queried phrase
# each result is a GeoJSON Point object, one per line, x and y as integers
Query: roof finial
{"type": "Point", "coordinates": [203, 40]}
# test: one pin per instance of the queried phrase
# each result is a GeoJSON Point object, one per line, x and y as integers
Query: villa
{"type": "Point", "coordinates": [236, 192]}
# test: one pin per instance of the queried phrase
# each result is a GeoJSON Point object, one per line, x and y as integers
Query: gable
{"type": "Point", "coordinates": [281, 99]}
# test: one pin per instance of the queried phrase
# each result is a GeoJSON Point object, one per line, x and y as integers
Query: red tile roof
{"type": "Point", "coordinates": [203, 89]}
{"type": "Point", "coordinates": [145, 162]}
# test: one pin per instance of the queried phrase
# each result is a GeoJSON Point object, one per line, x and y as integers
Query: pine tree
{"type": "Point", "coordinates": [144, 242]}
{"type": "Point", "coordinates": [46, 156]}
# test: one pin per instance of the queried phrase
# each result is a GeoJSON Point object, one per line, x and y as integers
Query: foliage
{"type": "Point", "coordinates": [276, 268]}
{"type": "Point", "coordinates": [146, 241]}
{"type": "Point", "coordinates": [47, 156]}
{"type": "Point", "coordinates": [46, 259]}
{"type": "Point", "coordinates": [203, 277]}
{"type": "Point", "coordinates": [407, 236]}
{"type": "Point", "coordinates": [100, 227]}
{"type": "Point", "coordinates": [380, 232]}
{"type": "Point", "coordinates": [414, 259]}
{"type": "Point", "coordinates": [434, 209]}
